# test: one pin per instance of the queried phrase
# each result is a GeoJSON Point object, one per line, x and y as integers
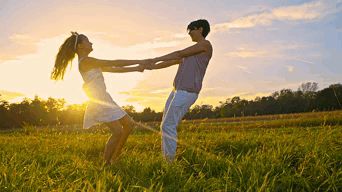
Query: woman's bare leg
{"type": "Point", "coordinates": [127, 124]}
{"type": "Point", "coordinates": [113, 141]}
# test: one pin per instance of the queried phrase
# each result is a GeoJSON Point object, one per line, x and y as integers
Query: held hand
{"type": "Point", "coordinates": [149, 67]}
{"type": "Point", "coordinates": [144, 62]}
{"type": "Point", "coordinates": [141, 68]}
{"type": "Point", "coordinates": [148, 64]}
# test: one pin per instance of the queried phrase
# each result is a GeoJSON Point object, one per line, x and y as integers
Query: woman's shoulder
{"type": "Point", "coordinates": [87, 60]}
{"type": "Point", "coordinates": [86, 63]}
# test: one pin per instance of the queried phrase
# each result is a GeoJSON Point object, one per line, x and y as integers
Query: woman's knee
{"type": "Point", "coordinates": [127, 123]}
{"type": "Point", "coordinates": [115, 127]}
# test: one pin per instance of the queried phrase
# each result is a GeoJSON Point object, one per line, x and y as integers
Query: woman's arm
{"type": "Point", "coordinates": [91, 62]}
{"type": "Point", "coordinates": [139, 68]}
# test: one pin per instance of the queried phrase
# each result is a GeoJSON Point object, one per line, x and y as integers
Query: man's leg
{"type": "Point", "coordinates": [177, 108]}
{"type": "Point", "coordinates": [166, 109]}
{"type": "Point", "coordinates": [167, 104]}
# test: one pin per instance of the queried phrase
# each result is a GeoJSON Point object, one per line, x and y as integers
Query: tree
{"type": "Point", "coordinates": [309, 93]}
{"type": "Point", "coordinates": [129, 109]}
{"type": "Point", "coordinates": [200, 112]}
{"type": "Point", "coordinates": [54, 108]}
{"type": "Point", "coordinates": [4, 115]}
{"type": "Point", "coordinates": [149, 115]}
{"type": "Point", "coordinates": [308, 87]}
{"type": "Point", "coordinates": [329, 98]}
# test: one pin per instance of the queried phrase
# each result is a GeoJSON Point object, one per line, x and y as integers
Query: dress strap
{"type": "Point", "coordinates": [80, 59]}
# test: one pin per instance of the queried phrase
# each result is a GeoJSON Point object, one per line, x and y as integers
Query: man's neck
{"type": "Point", "coordinates": [200, 39]}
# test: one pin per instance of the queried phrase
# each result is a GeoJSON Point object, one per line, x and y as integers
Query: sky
{"type": "Point", "coordinates": [260, 46]}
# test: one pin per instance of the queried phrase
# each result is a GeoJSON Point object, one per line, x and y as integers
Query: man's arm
{"type": "Point", "coordinates": [192, 50]}
{"type": "Point", "coordinates": [139, 68]}
{"type": "Point", "coordinates": [165, 64]}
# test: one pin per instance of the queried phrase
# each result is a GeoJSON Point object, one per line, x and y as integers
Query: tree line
{"type": "Point", "coordinates": [306, 98]}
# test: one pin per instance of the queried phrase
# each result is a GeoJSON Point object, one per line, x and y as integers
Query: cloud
{"type": "Point", "coordinates": [244, 69]}
{"type": "Point", "coordinates": [6, 57]}
{"type": "Point", "coordinates": [215, 100]}
{"type": "Point", "coordinates": [290, 68]}
{"type": "Point", "coordinates": [9, 95]}
{"type": "Point", "coordinates": [17, 37]}
{"type": "Point", "coordinates": [244, 53]}
{"type": "Point", "coordinates": [156, 44]}
{"type": "Point", "coordinates": [154, 98]}
{"type": "Point", "coordinates": [153, 90]}
{"type": "Point", "coordinates": [15, 45]}
{"type": "Point", "coordinates": [21, 38]}
{"type": "Point", "coordinates": [273, 50]}
{"type": "Point", "coordinates": [245, 22]}
{"type": "Point", "coordinates": [304, 12]}
{"type": "Point", "coordinates": [301, 60]}
{"type": "Point", "coordinates": [307, 11]}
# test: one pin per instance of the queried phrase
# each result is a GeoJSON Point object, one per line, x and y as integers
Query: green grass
{"type": "Point", "coordinates": [298, 152]}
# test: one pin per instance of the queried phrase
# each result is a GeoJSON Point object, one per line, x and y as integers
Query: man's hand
{"type": "Point", "coordinates": [140, 68]}
{"type": "Point", "coordinates": [148, 63]}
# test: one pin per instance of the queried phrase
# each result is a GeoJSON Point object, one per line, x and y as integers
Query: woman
{"type": "Point", "coordinates": [101, 108]}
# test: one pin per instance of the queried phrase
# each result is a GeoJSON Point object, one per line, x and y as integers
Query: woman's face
{"type": "Point", "coordinates": [85, 45]}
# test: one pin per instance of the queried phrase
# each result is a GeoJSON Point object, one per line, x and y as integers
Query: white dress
{"type": "Point", "coordinates": [101, 107]}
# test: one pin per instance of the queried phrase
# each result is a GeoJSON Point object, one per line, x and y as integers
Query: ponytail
{"type": "Point", "coordinates": [65, 55]}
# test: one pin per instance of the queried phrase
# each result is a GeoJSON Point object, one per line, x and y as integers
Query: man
{"type": "Point", "coordinates": [193, 62]}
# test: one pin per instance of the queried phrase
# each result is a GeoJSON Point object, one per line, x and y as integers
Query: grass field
{"type": "Point", "coordinates": [296, 152]}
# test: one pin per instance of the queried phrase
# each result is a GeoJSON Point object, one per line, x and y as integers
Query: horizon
{"type": "Point", "coordinates": [259, 48]}
{"type": "Point", "coordinates": [300, 88]}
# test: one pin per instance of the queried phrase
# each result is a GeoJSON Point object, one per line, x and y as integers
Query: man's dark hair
{"type": "Point", "coordinates": [200, 23]}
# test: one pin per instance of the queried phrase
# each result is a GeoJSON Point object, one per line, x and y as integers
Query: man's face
{"type": "Point", "coordinates": [195, 33]}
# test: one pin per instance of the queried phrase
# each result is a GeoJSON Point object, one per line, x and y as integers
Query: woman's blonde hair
{"type": "Point", "coordinates": [65, 55]}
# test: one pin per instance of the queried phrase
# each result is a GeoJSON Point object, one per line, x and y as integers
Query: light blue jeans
{"type": "Point", "coordinates": [177, 105]}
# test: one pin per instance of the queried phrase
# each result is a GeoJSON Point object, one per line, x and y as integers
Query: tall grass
{"type": "Point", "coordinates": [302, 152]}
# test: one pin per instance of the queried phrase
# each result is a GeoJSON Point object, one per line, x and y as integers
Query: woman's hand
{"type": "Point", "coordinates": [140, 68]}
{"type": "Point", "coordinates": [147, 63]}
